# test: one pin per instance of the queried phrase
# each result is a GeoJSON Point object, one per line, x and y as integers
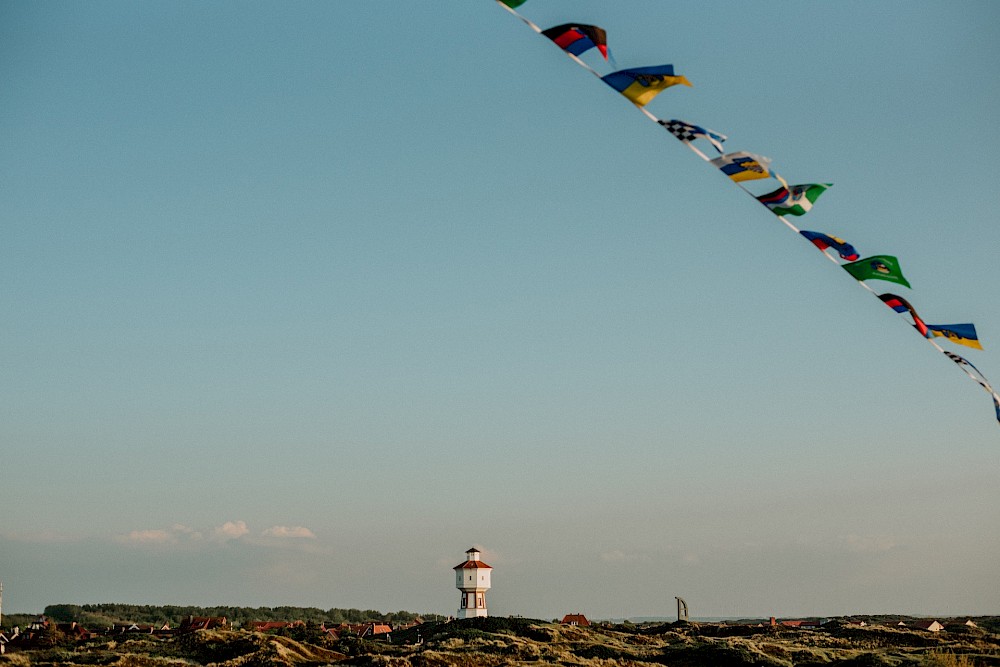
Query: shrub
{"type": "Point", "coordinates": [599, 651]}
{"type": "Point", "coordinates": [948, 659]}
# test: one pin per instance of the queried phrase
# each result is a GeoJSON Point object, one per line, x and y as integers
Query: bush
{"type": "Point", "coordinates": [600, 651]}
{"type": "Point", "coordinates": [948, 659]}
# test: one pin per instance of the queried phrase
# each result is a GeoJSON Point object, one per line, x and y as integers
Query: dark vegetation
{"type": "Point", "coordinates": [96, 616]}
{"type": "Point", "coordinates": [17, 620]}
{"type": "Point", "coordinates": [492, 642]}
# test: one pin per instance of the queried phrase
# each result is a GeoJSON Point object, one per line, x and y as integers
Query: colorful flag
{"type": "Point", "coordinates": [642, 84]}
{"type": "Point", "coordinates": [978, 377]}
{"type": "Point", "coordinates": [822, 241]}
{"type": "Point", "coordinates": [901, 305]}
{"type": "Point", "coordinates": [794, 200]}
{"type": "Point", "coordinates": [743, 166]}
{"type": "Point", "coordinates": [513, 3]}
{"type": "Point", "coordinates": [962, 334]}
{"type": "Point", "coordinates": [966, 365]}
{"type": "Point", "coordinates": [687, 132]}
{"type": "Point", "coordinates": [576, 38]}
{"type": "Point", "coordinates": [877, 267]}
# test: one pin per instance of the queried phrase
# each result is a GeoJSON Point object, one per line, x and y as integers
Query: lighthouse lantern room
{"type": "Point", "coordinates": [472, 578]}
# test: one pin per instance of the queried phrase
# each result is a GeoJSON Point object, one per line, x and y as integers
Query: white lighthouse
{"type": "Point", "coordinates": [472, 578]}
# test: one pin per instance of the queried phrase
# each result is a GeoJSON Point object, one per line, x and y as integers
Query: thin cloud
{"type": "Point", "coordinates": [185, 536]}
{"type": "Point", "coordinates": [179, 534]}
{"type": "Point", "coordinates": [189, 533]}
{"type": "Point", "coordinates": [175, 534]}
{"type": "Point", "coordinates": [155, 536]}
{"type": "Point", "coordinates": [289, 532]}
{"type": "Point", "coordinates": [230, 530]}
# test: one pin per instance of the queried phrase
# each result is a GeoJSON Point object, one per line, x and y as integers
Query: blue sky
{"type": "Point", "coordinates": [301, 301]}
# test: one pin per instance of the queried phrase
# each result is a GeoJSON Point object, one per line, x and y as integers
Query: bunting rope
{"type": "Point", "coordinates": [640, 85]}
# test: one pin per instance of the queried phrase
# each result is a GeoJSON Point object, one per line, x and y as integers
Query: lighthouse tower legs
{"type": "Point", "coordinates": [473, 604]}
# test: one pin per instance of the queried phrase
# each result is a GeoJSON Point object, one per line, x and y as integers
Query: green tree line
{"type": "Point", "coordinates": [11, 621]}
{"type": "Point", "coordinates": [96, 616]}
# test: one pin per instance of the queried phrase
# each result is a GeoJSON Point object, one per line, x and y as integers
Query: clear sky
{"type": "Point", "coordinates": [300, 301]}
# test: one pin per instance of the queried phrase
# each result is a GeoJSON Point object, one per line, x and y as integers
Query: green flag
{"type": "Point", "coordinates": [878, 267]}
{"type": "Point", "coordinates": [513, 3]}
{"type": "Point", "coordinates": [795, 199]}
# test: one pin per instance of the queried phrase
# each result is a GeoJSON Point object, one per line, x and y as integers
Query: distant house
{"type": "Point", "coordinates": [271, 626]}
{"type": "Point", "coordinates": [411, 624]}
{"type": "Point", "coordinates": [138, 629]}
{"type": "Point", "coordinates": [575, 619]}
{"type": "Point", "coordinates": [929, 626]}
{"type": "Point", "coordinates": [192, 623]}
{"type": "Point", "coordinates": [13, 636]}
{"type": "Point", "coordinates": [35, 630]}
{"type": "Point", "coordinates": [369, 629]}
{"type": "Point", "coordinates": [801, 624]}
{"type": "Point", "coordinates": [74, 630]}
{"type": "Point", "coordinates": [38, 625]}
{"type": "Point", "coordinates": [372, 629]}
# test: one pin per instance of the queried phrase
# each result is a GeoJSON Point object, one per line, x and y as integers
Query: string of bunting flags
{"type": "Point", "coordinates": [641, 84]}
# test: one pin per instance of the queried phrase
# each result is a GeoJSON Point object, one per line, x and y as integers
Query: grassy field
{"type": "Point", "coordinates": [489, 642]}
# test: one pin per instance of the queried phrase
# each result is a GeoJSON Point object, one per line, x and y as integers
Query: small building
{"type": "Point", "coordinates": [271, 626]}
{"type": "Point", "coordinates": [929, 626]}
{"type": "Point", "coordinates": [74, 631]}
{"type": "Point", "coordinates": [409, 624]}
{"type": "Point", "coordinates": [369, 629]}
{"type": "Point", "coordinates": [192, 623]}
{"type": "Point", "coordinates": [38, 625]}
{"type": "Point", "coordinates": [373, 629]}
{"type": "Point", "coordinates": [138, 629]}
{"type": "Point", "coordinates": [575, 619]}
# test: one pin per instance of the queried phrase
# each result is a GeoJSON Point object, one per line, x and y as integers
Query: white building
{"type": "Point", "coordinates": [472, 578]}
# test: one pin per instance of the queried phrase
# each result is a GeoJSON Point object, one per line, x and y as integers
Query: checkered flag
{"type": "Point", "coordinates": [979, 378]}
{"type": "Point", "coordinates": [965, 364]}
{"type": "Point", "coordinates": [687, 132]}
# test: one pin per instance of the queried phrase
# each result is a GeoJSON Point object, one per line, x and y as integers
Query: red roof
{"type": "Point", "coordinates": [366, 629]}
{"type": "Point", "coordinates": [575, 619]}
{"type": "Point", "coordinates": [265, 626]}
{"type": "Point", "coordinates": [472, 565]}
{"type": "Point", "coordinates": [203, 623]}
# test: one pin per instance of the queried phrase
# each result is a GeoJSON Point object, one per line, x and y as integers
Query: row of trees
{"type": "Point", "coordinates": [17, 620]}
{"type": "Point", "coordinates": [96, 616]}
